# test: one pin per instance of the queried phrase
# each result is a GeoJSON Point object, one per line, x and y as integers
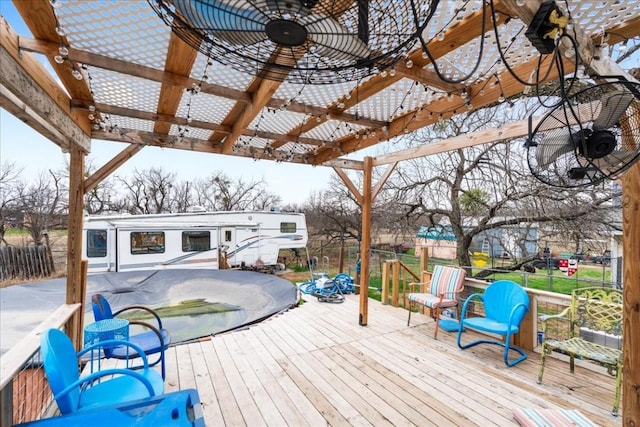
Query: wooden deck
{"type": "Point", "coordinates": [314, 365]}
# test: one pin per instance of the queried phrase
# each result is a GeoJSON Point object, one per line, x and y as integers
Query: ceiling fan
{"type": "Point", "coordinates": [302, 41]}
{"type": "Point", "coordinates": [591, 136]}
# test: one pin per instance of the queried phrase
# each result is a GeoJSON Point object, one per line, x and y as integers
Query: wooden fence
{"type": "Point", "coordinates": [25, 262]}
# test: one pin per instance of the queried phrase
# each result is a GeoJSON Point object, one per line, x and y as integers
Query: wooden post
{"type": "Point", "coordinates": [396, 283]}
{"type": "Point", "coordinates": [424, 258]}
{"type": "Point", "coordinates": [384, 299]}
{"type": "Point", "coordinates": [631, 297]}
{"type": "Point", "coordinates": [75, 281]}
{"type": "Point", "coordinates": [365, 243]}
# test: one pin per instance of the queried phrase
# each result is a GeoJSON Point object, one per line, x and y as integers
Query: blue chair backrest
{"type": "Point", "coordinates": [501, 297]}
{"type": "Point", "coordinates": [61, 368]}
{"type": "Point", "coordinates": [101, 308]}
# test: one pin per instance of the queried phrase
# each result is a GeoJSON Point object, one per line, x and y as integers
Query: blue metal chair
{"type": "Point", "coordinates": [74, 393]}
{"type": "Point", "coordinates": [505, 305]}
{"type": "Point", "coordinates": [154, 341]}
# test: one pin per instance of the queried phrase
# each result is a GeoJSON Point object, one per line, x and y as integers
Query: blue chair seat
{"type": "Point", "coordinates": [119, 389]}
{"type": "Point", "coordinates": [148, 341]}
{"type": "Point", "coordinates": [492, 326]}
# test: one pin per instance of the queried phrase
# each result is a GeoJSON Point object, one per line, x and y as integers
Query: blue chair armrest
{"type": "Point", "coordinates": [141, 307]}
{"type": "Point", "coordinates": [107, 372]}
{"type": "Point", "coordinates": [466, 303]}
{"type": "Point", "coordinates": [116, 343]}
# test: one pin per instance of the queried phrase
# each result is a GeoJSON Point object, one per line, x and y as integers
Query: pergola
{"type": "Point", "coordinates": [122, 75]}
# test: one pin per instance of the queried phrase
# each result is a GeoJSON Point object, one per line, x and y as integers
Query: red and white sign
{"type": "Point", "coordinates": [572, 268]}
{"type": "Point", "coordinates": [563, 264]}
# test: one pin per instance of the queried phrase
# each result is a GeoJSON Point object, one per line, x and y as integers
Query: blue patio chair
{"type": "Point", "coordinates": [505, 305]}
{"type": "Point", "coordinates": [153, 342]}
{"type": "Point", "coordinates": [74, 393]}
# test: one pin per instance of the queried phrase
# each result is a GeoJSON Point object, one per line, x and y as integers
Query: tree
{"type": "Point", "coordinates": [9, 197]}
{"type": "Point", "coordinates": [487, 187]}
{"type": "Point", "coordinates": [219, 192]}
{"type": "Point", "coordinates": [43, 203]}
{"type": "Point", "coordinates": [149, 191]}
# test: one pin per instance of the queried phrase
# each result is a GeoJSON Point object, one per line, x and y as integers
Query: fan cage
{"type": "Point", "coordinates": [392, 33]}
{"type": "Point", "coordinates": [557, 148]}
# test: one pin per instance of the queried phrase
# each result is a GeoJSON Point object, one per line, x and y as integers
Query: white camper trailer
{"type": "Point", "coordinates": [190, 240]}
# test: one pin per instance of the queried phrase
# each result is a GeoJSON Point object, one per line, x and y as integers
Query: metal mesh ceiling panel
{"type": "Point", "coordinates": [124, 91]}
{"type": "Point", "coordinates": [127, 30]}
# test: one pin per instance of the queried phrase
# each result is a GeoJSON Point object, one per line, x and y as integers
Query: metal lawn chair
{"type": "Point", "coordinates": [505, 305]}
{"type": "Point", "coordinates": [154, 341]}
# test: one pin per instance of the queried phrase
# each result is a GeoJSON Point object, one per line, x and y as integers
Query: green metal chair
{"type": "Point", "coordinates": [595, 314]}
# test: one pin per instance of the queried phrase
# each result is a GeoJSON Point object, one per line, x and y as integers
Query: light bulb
{"type": "Point", "coordinates": [77, 74]}
{"type": "Point", "coordinates": [59, 59]}
{"type": "Point", "coordinates": [409, 63]}
{"type": "Point", "coordinates": [501, 98]}
{"type": "Point", "coordinates": [63, 50]}
{"type": "Point", "coordinates": [60, 31]}
{"type": "Point", "coordinates": [392, 71]}
{"type": "Point", "coordinates": [520, 3]}
{"type": "Point", "coordinates": [440, 36]}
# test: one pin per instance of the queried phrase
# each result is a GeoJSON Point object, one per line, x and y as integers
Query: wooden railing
{"type": "Point", "coordinates": [527, 339]}
{"type": "Point", "coordinates": [24, 392]}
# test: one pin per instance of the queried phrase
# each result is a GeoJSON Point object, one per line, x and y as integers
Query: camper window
{"type": "Point", "coordinates": [96, 243]}
{"type": "Point", "coordinates": [147, 242]}
{"type": "Point", "coordinates": [196, 241]}
{"type": "Point", "coordinates": [287, 227]}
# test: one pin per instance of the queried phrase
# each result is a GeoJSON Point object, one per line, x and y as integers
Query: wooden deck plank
{"type": "Point", "coordinates": [228, 406]}
{"type": "Point", "coordinates": [311, 394]}
{"type": "Point", "coordinates": [314, 365]}
{"type": "Point", "coordinates": [292, 403]}
{"type": "Point", "coordinates": [250, 410]}
{"type": "Point", "coordinates": [251, 370]}
{"type": "Point", "coordinates": [204, 384]}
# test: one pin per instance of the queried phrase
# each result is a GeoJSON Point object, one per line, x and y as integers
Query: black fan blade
{"type": "Point", "coordinates": [333, 40]}
{"type": "Point", "coordinates": [613, 106]}
{"type": "Point", "coordinates": [363, 21]}
{"type": "Point", "coordinates": [224, 20]}
{"type": "Point", "coordinates": [552, 147]}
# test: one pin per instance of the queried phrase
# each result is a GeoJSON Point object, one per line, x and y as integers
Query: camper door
{"type": "Point", "coordinates": [228, 244]}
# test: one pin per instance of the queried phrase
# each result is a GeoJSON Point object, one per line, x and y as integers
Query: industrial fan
{"type": "Point", "coordinates": [304, 41]}
{"type": "Point", "coordinates": [592, 135]}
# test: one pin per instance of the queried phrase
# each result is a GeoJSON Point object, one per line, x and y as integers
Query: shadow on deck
{"type": "Point", "coordinates": [313, 365]}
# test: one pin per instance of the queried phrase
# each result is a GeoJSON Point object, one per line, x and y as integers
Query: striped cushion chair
{"type": "Point", "coordinates": [442, 291]}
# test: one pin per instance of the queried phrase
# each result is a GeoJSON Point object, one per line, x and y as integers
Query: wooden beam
{"type": "Point", "coordinates": [427, 77]}
{"type": "Point", "coordinates": [260, 98]}
{"type": "Point", "coordinates": [365, 242]}
{"type": "Point", "coordinates": [109, 167]}
{"type": "Point", "coordinates": [631, 290]}
{"type": "Point", "coordinates": [75, 279]}
{"type": "Point", "coordinates": [180, 59]}
{"type": "Point", "coordinates": [352, 188]}
{"type": "Point", "coordinates": [382, 180]}
{"type": "Point", "coordinates": [28, 92]}
{"type": "Point", "coordinates": [131, 69]}
{"type": "Point", "coordinates": [39, 17]}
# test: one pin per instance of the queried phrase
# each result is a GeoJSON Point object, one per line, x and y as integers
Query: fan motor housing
{"type": "Point", "coordinates": [285, 32]}
{"type": "Point", "coordinates": [598, 144]}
